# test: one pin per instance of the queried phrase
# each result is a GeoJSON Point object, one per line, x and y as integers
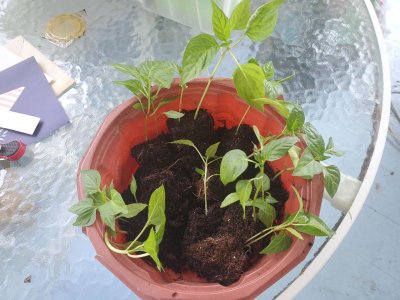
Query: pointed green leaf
{"type": "Point", "coordinates": [314, 226]}
{"type": "Point", "coordinates": [133, 187]}
{"type": "Point", "coordinates": [273, 89]}
{"type": "Point", "coordinates": [138, 106]}
{"type": "Point", "coordinates": [259, 137]}
{"type": "Point", "coordinates": [296, 119]}
{"type": "Point", "coordinates": [91, 181]}
{"type": "Point", "coordinates": [134, 209]}
{"type": "Point", "coordinates": [134, 86]}
{"type": "Point", "coordinates": [279, 105]}
{"type": "Point", "coordinates": [183, 142]}
{"type": "Point", "coordinates": [243, 190]}
{"type": "Point", "coordinates": [160, 73]}
{"type": "Point", "coordinates": [269, 70]}
{"type": "Point", "coordinates": [253, 61]}
{"type": "Point", "coordinates": [278, 148]}
{"type": "Point", "coordinates": [295, 233]}
{"type": "Point", "coordinates": [331, 149]}
{"type": "Point", "coordinates": [314, 141]}
{"type": "Point", "coordinates": [230, 199]}
{"type": "Point", "coordinates": [266, 213]}
{"type": "Point", "coordinates": [212, 150]}
{"type": "Point", "coordinates": [220, 23]}
{"type": "Point", "coordinates": [307, 165]}
{"type": "Point", "coordinates": [85, 219]}
{"type": "Point", "coordinates": [198, 55]}
{"type": "Point", "coordinates": [233, 164]}
{"type": "Point", "coordinates": [249, 82]}
{"type": "Point", "coordinates": [294, 153]}
{"type": "Point", "coordinates": [263, 184]}
{"type": "Point", "coordinates": [199, 171]}
{"type": "Point", "coordinates": [129, 70]}
{"type": "Point", "coordinates": [331, 179]}
{"type": "Point", "coordinates": [262, 23]}
{"type": "Point", "coordinates": [82, 206]}
{"type": "Point", "coordinates": [157, 206]}
{"type": "Point", "coordinates": [172, 114]}
{"type": "Point", "coordinates": [117, 201]}
{"type": "Point", "coordinates": [279, 243]}
{"type": "Point", "coordinates": [241, 15]}
{"type": "Point", "coordinates": [108, 211]}
{"type": "Point", "coordinates": [151, 247]}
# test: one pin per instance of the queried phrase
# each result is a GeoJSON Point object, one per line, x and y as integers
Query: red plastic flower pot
{"type": "Point", "coordinates": [109, 153]}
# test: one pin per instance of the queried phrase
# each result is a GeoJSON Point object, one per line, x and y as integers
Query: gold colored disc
{"type": "Point", "coordinates": [65, 27]}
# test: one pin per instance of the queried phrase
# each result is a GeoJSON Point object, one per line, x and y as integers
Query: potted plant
{"type": "Point", "coordinates": [205, 188]}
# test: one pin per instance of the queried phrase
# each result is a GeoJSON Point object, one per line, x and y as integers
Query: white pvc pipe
{"type": "Point", "coordinates": [330, 247]}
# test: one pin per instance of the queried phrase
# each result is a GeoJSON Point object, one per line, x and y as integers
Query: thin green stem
{"type": "Point", "coordinates": [205, 186]}
{"type": "Point", "coordinates": [241, 120]}
{"type": "Point", "coordinates": [111, 247]}
{"type": "Point", "coordinates": [138, 255]}
{"type": "Point", "coordinates": [234, 58]}
{"type": "Point", "coordinates": [281, 172]}
{"type": "Point", "coordinates": [238, 42]}
{"type": "Point", "coordinates": [209, 82]}
{"type": "Point", "coordinates": [137, 237]}
{"type": "Point", "coordinates": [180, 100]}
{"type": "Point", "coordinates": [286, 78]}
{"type": "Point", "coordinates": [146, 122]}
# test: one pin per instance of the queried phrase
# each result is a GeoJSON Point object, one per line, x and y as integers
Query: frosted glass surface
{"type": "Point", "coordinates": [330, 45]}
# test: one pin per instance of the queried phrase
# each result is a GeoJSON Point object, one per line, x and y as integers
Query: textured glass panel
{"type": "Point", "coordinates": [330, 45]}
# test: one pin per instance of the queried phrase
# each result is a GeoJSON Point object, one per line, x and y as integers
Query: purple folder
{"type": "Point", "coordinates": [37, 99]}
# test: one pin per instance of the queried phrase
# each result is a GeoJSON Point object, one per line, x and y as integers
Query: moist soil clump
{"type": "Point", "coordinates": [210, 245]}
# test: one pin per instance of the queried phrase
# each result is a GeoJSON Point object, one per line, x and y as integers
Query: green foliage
{"type": "Point", "coordinates": [220, 23]}
{"type": "Point", "coordinates": [207, 159]}
{"type": "Point", "coordinates": [110, 205]}
{"type": "Point", "coordinates": [240, 15]}
{"type": "Point", "coordinates": [279, 243]}
{"type": "Point", "coordinates": [233, 164]}
{"type": "Point", "coordinates": [249, 82]}
{"type": "Point", "coordinates": [172, 114]}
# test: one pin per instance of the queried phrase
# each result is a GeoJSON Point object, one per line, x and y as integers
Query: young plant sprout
{"type": "Point", "coordinates": [207, 159]}
{"type": "Point", "coordinates": [109, 203]}
{"type": "Point", "coordinates": [294, 225]}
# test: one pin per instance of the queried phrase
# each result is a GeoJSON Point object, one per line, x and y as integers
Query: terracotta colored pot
{"type": "Point", "coordinates": [109, 153]}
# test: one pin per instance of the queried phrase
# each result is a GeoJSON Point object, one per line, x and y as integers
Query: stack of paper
{"type": "Point", "coordinates": [29, 86]}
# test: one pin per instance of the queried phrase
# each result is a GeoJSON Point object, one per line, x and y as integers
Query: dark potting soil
{"type": "Point", "coordinates": [210, 245]}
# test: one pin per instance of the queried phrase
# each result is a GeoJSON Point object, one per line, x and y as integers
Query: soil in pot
{"type": "Point", "coordinates": [210, 245]}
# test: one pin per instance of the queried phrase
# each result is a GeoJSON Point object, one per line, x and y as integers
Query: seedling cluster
{"type": "Point", "coordinates": [255, 83]}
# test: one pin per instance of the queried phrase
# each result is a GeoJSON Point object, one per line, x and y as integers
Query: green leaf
{"type": "Point", "coordinates": [138, 106]}
{"type": "Point", "coordinates": [108, 211]}
{"type": "Point", "coordinates": [273, 89]}
{"type": "Point", "coordinates": [86, 219]}
{"type": "Point", "coordinates": [134, 209]}
{"type": "Point", "coordinates": [262, 23]}
{"type": "Point", "coordinates": [117, 201]}
{"type": "Point", "coordinates": [331, 179]}
{"type": "Point", "coordinates": [266, 214]}
{"type": "Point", "coordinates": [307, 165]}
{"type": "Point", "coordinates": [233, 164]}
{"type": "Point", "coordinates": [200, 172]}
{"type": "Point", "coordinates": [212, 150]}
{"type": "Point", "coordinates": [220, 23]}
{"type": "Point", "coordinates": [278, 148]}
{"type": "Point", "coordinates": [241, 15]}
{"type": "Point", "coordinates": [82, 207]}
{"type": "Point", "coordinates": [295, 233]}
{"type": "Point", "coordinates": [279, 105]}
{"type": "Point", "coordinates": [151, 247]}
{"type": "Point", "coordinates": [230, 199]}
{"type": "Point", "coordinates": [331, 150]}
{"type": "Point", "coordinates": [259, 137]}
{"type": "Point", "coordinates": [198, 55]}
{"type": "Point", "coordinates": [295, 120]}
{"type": "Point", "coordinates": [243, 190]}
{"type": "Point", "coordinates": [300, 200]}
{"type": "Point", "coordinates": [133, 187]}
{"type": "Point", "coordinates": [253, 61]}
{"type": "Point", "coordinates": [159, 72]}
{"type": "Point", "coordinates": [183, 142]}
{"type": "Point", "coordinates": [91, 181]}
{"type": "Point", "coordinates": [294, 153]}
{"type": "Point", "coordinates": [159, 229]}
{"type": "Point", "coordinates": [314, 141]}
{"type": "Point", "coordinates": [134, 86]}
{"type": "Point", "coordinates": [129, 70]}
{"type": "Point", "coordinates": [314, 226]}
{"type": "Point", "coordinates": [269, 70]}
{"type": "Point", "coordinates": [172, 114]}
{"type": "Point", "coordinates": [165, 101]}
{"type": "Point", "coordinates": [249, 82]}
{"type": "Point", "coordinates": [157, 206]}
{"type": "Point", "coordinates": [278, 243]}
{"type": "Point", "coordinates": [262, 184]}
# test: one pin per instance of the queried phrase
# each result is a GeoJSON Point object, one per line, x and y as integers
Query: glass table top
{"type": "Point", "coordinates": [330, 45]}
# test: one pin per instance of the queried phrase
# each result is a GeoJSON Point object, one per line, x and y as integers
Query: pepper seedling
{"type": "Point", "coordinates": [109, 203]}
{"type": "Point", "coordinates": [294, 225]}
{"type": "Point", "coordinates": [207, 159]}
